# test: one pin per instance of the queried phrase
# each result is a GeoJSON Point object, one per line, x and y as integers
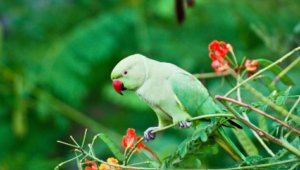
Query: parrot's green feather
{"type": "Point", "coordinates": [194, 97]}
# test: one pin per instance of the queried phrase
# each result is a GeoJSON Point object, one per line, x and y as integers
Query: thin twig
{"type": "Point", "coordinates": [146, 162]}
{"type": "Point", "coordinates": [263, 70]}
{"type": "Point", "coordinates": [195, 118]}
{"type": "Point", "coordinates": [294, 166]}
{"type": "Point", "coordinates": [84, 138]}
{"type": "Point", "coordinates": [209, 75]}
{"type": "Point", "coordinates": [243, 120]}
{"type": "Point", "coordinates": [74, 141]}
{"type": "Point", "coordinates": [292, 109]}
{"type": "Point", "coordinates": [251, 167]}
{"type": "Point", "coordinates": [246, 117]}
{"type": "Point", "coordinates": [283, 72]}
{"type": "Point", "coordinates": [256, 110]}
{"type": "Point", "coordinates": [262, 97]}
{"type": "Point", "coordinates": [67, 144]}
{"type": "Point", "coordinates": [288, 134]}
{"type": "Point", "coordinates": [282, 142]}
{"type": "Point", "coordinates": [59, 165]}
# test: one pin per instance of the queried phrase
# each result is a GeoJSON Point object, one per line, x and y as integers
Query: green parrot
{"type": "Point", "coordinates": [174, 94]}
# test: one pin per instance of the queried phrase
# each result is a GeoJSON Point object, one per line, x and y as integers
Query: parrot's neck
{"type": "Point", "coordinates": [146, 68]}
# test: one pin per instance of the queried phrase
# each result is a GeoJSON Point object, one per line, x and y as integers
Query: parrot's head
{"type": "Point", "coordinates": [129, 73]}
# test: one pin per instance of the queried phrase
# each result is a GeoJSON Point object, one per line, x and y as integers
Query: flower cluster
{"type": "Point", "coordinates": [111, 161]}
{"type": "Point", "coordinates": [218, 51]}
{"type": "Point", "coordinates": [251, 67]}
{"type": "Point", "coordinates": [103, 166]}
{"type": "Point", "coordinates": [128, 141]}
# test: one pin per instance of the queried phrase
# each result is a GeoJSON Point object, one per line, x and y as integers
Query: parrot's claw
{"type": "Point", "coordinates": [148, 136]}
{"type": "Point", "coordinates": [185, 124]}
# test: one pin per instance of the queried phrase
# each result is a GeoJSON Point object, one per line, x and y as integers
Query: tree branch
{"type": "Point", "coordinates": [282, 142]}
{"type": "Point", "coordinates": [258, 111]}
{"type": "Point", "coordinates": [263, 70]}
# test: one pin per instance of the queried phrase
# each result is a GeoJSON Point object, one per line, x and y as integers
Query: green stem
{"type": "Point", "coordinates": [288, 134]}
{"type": "Point", "coordinates": [263, 70]}
{"type": "Point", "coordinates": [210, 75]}
{"type": "Point", "coordinates": [292, 109]}
{"type": "Point", "coordinates": [236, 63]}
{"type": "Point", "coordinates": [294, 166]}
{"type": "Point", "coordinates": [194, 118]}
{"type": "Point", "coordinates": [74, 141]}
{"type": "Point", "coordinates": [246, 117]}
{"type": "Point", "coordinates": [129, 157]}
{"type": "Point", "coordinates": [260, 132]}
{"type": "Point", "coordinates": [131, 151]}
{"type": "Point", "coordinates": [59, 165]}
{"type": "Point", "coordinates": [67, 144]}
{"type": "Point", "coordinates": [147, 162]}
{"type": "Point", "coordinates": [283, 72]}
{"type": "Point", "coordinates": [84, 138]}
{"type": "Point", "coordinates": [250, 167]}
{"type": "Point", "coordinates": [231, 61]}
{"type": "Point", "coordinates": [260, 96]}
{"type": "Point", "coordinates": [118, 166]}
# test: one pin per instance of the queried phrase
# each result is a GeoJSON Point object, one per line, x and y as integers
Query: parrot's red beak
{"type": "Point", "coordinates": [119, 86]}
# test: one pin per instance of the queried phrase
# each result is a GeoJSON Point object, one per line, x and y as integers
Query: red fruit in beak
{"type": "Point", "coordinates": [118, 85]}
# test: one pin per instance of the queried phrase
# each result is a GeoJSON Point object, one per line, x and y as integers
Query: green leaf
{"type": "Point", "coordinates": [214, 150]}
{"type": "Point", "coordinates": [203, 125]}
{"type": "Point", "coordinates": [152, 164]}
{"type": "Point", "coordinates": [56, 168]}
{"type": "Point", "coordinates": [190, 161]}
{"type": "Point", "coordinates": [263, 107]}
{"type": "Point", "coordinates": [276, 70]}
{"type": "Point", "coordinates": [183, 151]}
{"type": "Point", "coordinates": [197, 134]}
{"type": "Point", "coordinates": [203, 136]}
{"type": "Point", "coordinates": [245, 141]}
{"type": "Point", "coordinates": [253, 157]}
{"type": "Point", "coordinates": [197, 162]}
{"type": "Point", "coordinates": [112, 146]}
{"type": "Point", "coordinates": [280, 100]}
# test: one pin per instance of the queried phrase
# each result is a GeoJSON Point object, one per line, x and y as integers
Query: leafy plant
{"type": "Point", "coordinates": [198, 144]}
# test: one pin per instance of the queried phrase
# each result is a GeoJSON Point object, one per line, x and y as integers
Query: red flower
{"type": "Point", "coordinates": [220, 67]}
{"type": "Point", "coordinates": [94, 166]}
{"type": "Point", "coordinates": [128, 142]}
{"type": "Point", "coordinates": [218, 51]}
{"type": "Point", "coordinates": [129, 139]}
{"type": "Point", "coordinates": [251, 66]}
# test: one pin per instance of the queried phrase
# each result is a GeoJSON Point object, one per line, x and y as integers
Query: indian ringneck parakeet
{"type": "Point", "coordinates": [174, 94]}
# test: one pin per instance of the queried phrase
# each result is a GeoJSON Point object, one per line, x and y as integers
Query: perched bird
{"type": "Point", "coordinates": [174, 94]}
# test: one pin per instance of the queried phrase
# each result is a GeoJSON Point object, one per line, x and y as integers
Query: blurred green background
{"type": "Point", "coordinates": [56, 57]}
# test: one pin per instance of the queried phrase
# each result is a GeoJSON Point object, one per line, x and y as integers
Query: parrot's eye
{"type": "Point", "coordinates": [125, 72]}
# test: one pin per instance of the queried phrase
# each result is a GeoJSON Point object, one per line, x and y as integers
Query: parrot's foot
{"type": "Point", "coordinates": [148, 136]}
{"type": "Point", "coordinates": [185, 124]}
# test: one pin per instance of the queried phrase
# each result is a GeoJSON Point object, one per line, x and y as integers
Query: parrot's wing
{"type": "Point", "coordinates": [191, 95]}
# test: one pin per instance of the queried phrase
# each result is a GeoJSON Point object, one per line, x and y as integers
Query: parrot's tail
{"type": "Point", "coordinates": [224, 141]}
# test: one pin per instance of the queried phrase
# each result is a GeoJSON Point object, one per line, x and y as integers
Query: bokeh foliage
{"type": "Point", "coordinates": [56, 58]}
